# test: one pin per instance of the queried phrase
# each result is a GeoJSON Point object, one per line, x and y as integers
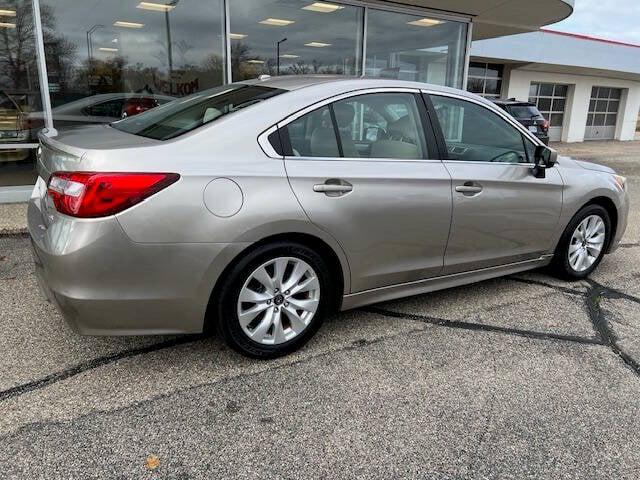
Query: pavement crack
{"type": "Point", "coordinates": [481, 327]}
{"type": "Point", "coordinates": [597, 315]}
{"type": "Point", "coordinates": [559, 288]}
{"type": "Point", "coordinates": [90, 365]}
{"type": "Point", "coordinates": [271, 366]}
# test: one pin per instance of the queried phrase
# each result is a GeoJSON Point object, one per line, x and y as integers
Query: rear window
{"type": "Point", "coordinates": [186, 114]}
{"type": "Point", "coordinates": [524, 111]}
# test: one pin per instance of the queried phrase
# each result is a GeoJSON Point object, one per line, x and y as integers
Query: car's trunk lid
{"type": "Point", "coordinates": [66, 151]}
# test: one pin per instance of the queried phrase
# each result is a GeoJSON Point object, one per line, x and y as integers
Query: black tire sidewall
{"type": "Point", "coordinates": [561, 258]}
{"type": "Point", "coordinates": [227, 321]}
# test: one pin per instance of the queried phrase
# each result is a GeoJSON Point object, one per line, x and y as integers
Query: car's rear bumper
{"type": "Point", "coordinates": [105, 284]}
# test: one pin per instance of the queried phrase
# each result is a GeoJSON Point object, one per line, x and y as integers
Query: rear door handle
{"type": "Point", "coordinates": [333, 187]}
{"type": "Point", "coordinates": [324, 188]}
{"type": "Point", "coordinates": [469, 189]}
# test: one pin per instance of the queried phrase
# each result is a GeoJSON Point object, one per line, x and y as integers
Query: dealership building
{"type": "Point", "coordinates": [65, 63]}
{"type": "Point", "coordinates": [588, 88]}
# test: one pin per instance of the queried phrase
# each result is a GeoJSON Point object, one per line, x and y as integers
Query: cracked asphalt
{"type": "Point", "coordinates": [519, 377]}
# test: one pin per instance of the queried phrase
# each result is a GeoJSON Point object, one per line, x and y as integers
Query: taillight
{"type": "Point", "coordinates": [93, 194]}
{"type": "Point", "coordinates": [545, 125]}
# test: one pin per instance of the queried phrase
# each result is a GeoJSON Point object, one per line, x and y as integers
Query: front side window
{"type": "Point", "coordinates": [184, 115]}
{"type": "Point", "coordinates": [382, 126]}
{"type": "Point", "coordinates": [475, 133]}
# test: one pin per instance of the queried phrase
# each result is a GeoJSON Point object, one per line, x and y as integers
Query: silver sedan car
{"type": "Point", "coordinates": [258, 208]}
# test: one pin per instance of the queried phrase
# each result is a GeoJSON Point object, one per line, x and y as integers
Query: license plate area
{"type": "Point", "coordinates": [533, 128]}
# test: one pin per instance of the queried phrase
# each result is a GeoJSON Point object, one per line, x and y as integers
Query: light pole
{"type": "Point", "coordinates": [278, 55]}
{"type": "Point", "coordinates": [173, 3]}
{"type": "Point", "coordinates": [90, 53]}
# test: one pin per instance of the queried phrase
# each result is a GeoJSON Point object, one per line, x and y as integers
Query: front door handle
{"type": "Point", "coordinates": [469, 189]}
{"type": "Point", "coordinates": [333, 188]}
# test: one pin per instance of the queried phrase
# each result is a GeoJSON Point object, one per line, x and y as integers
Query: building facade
{"type": "Point", "coordinates": [588, 88]}
{"type": "Point", "coordinates": [65, 63]}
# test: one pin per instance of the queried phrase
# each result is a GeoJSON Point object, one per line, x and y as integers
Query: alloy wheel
{"type": "Point", "coordinates": [278, 300]}
{"type": "Point", "coordinates": [587, 243]}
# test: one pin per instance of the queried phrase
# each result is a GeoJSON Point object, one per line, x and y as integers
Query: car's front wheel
{"type": "Point", "coordinates": [274, 300]}
{"type": "Point", "coordinates": [583, 243]}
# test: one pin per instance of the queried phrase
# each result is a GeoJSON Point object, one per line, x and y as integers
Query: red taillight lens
{"type": "Point", "coordinates": [92, 194]}
{"type": "Point", "coordinates": [545, 125]}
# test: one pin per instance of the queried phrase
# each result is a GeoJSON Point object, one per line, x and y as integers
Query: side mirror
{"type": "Point", "coordinates": [545, 157]}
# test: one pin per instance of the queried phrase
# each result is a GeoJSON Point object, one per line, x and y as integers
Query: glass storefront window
{"type": "Point", "coordinates": [294, 37]}
{"type": "Point", "coordinates": [19, 93]}
{"type": "Point", "coordinates": [108, 60]}
{"type": "Point", "coordinates": [111, 59]}
{"type": "Point", "coordinates": [411, 47]}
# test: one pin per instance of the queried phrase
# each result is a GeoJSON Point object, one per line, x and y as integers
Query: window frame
{"type": "Point", "coordinates": [444, 152]}
{"type": "Point", "coordinates": [431, 139]}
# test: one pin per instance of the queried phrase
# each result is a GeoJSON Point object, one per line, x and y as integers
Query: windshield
{"type": "Point", "coordinates": [524, 111]}
{"type": "Point", "coordinates": [188, 113]}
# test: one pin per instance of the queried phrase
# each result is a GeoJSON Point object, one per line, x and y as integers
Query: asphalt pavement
{"type": "Point", "coordinates": [520, 377]}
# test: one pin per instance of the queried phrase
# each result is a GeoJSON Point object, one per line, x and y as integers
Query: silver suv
{"type": "Point", "coordinates": [259, 207]}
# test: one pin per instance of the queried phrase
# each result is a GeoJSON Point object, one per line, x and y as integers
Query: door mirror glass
{"type": "Point", "coordinates": [545, 157]}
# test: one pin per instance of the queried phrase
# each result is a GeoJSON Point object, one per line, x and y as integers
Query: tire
{"type": "Point", "coordinates": [296, 330]}
{"type": "Point", "coordinates": [566, 265]}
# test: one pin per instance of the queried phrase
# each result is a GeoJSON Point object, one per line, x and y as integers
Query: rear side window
{"type": "Point", "coordinates": [380, 125]}
{"type": "Point", "coordinates": [186, 114]}
{"type": "Point", "coordinates": [313, 135]}
{"type": "Point", "coordinates": [524, 111]}
{"type": "Point", "coordinates": [111, 109]}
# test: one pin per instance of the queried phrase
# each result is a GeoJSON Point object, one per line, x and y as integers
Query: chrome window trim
{"type": "Point", "coordinates": [18, 146]}
{"type": "Point", "coordinates": [504, 115]}
{"type": "Point", "coordinates": [266, 146]}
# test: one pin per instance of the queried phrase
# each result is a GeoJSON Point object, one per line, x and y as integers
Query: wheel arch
{"type": "Point", "coordinates": [334, 263]}
{"type": "Point", "coordinates": [612, 210]}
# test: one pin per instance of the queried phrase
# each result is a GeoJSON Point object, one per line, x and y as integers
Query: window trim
{"type": "Point", "coordinates": [263, 138]}
{"type": "Point", "coordinates": [492, 108]}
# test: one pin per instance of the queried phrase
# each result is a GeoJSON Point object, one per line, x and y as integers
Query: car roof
{"type": "Point", "coordinates": [297, 82]}
{"type": "Point", "coordinates": [513, 102]}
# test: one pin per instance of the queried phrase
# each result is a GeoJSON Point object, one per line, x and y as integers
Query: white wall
{"type": "Point", "coordinates": [577, 109]}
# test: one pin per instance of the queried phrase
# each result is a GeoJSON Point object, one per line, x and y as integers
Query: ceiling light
{"type": "Point", "coordinates": [108, 49]}
{"type": "Point", "coordinates": [289, 55]}
{"type": "Point", "coordinates": [322, 7]}
{"type": "Point", "coordinates": [155, 7]}
{"type": "Point", "coordinates": [7, 25]}
{"type": "Point", "coordinates": [255, 61]}
{"type": "Point", "coordinates": [276, 22]}
{"type": "Point", "coordinates": [317, 44]}
{"type": "Point", "coordinates": [425, 22]}
{"type": "Point", "coordinates": [123, 24]}
{"type": "Point", "coordinates": [7, 13]}
{"type": "Point", "coordinates": [237, 36]}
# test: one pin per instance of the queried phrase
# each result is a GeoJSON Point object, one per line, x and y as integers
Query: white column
{"type": "Point", "coordinates": [577, 110]}
{"type": "Point", "coordinates": [628, 114]}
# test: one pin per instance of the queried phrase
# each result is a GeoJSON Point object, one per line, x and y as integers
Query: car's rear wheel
{"type": "Point", "coordinates": [583, 243]}
{"type": "Point", "coordinates": [274, 300]}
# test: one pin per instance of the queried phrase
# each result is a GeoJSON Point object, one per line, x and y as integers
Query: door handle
{"type": "Point", "coordinates": [333, 188]}
{"type": "Point", "coordinates": [469, 189]}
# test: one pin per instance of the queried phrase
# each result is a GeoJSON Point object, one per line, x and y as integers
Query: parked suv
{"type": "Point", "coordinates": [528, 115]}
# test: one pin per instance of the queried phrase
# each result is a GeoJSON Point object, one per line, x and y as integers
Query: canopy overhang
{"type": "Point", "coordinates": [497, 18]}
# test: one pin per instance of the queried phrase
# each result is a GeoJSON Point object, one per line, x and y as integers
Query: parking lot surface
{"type": "Point", "coordinates": [520, 377]}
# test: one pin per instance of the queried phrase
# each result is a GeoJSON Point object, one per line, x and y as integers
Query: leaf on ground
{"type": "Point", "coordinates": [152, 462]}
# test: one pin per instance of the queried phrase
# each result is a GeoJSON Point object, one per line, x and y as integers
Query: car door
{"type": "Point", "coordinates": [502, 213]}
{"type": "Point", "coordinates": [365, 169]}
